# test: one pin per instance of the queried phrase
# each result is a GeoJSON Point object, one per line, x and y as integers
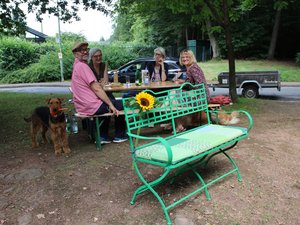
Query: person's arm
{"type": "Point", "coordinates": [96, 87]}
{"type": "Point", "coordinates": [163, 71]}
{"type": "Point", "coordinates": [198, 75]}
{"type": "Point", "coordinates": [105, 74]}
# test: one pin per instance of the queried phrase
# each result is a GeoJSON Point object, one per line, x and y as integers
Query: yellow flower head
{"type": "Point", "coordinates": [145, 100]}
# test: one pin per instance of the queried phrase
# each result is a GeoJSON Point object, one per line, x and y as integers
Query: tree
{"type": "Point", "coordinates": [150, 23]}
{"type": "Point", "coordinates": [224, 21]}
{"type": "Point", "coordinates": [223, 13]}
{"type": "Point", "coordinates": [278, 6]}
{"type": "Point", "coordinates": [13, 17]}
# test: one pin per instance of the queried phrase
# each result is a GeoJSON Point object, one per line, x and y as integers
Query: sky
{"type": "Point", "coordinates": [93, 25]}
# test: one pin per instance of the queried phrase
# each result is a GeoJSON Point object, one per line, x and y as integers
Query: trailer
{"type": "Point", "coordinates": [251, 83]}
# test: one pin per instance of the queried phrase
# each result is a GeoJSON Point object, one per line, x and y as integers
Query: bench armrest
{"type": "Point", "coordinates": [250, 120]}
{"type": "Point", "coordinates": [156, 140]}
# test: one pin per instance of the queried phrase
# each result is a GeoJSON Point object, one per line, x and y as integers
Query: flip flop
{"type": "Point", "coordinates": [182, 128]}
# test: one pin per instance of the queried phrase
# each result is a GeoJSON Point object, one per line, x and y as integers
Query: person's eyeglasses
{"type": "Point", "coordinates": [83, 50]}
{"type": "Point", "coordinates": [97, 56]}
{"type": "Point", "coordinates": [158, 54]}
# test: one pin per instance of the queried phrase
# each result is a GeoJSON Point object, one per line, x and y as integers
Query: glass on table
{"type": "Point", "coordinates": [127, 78]}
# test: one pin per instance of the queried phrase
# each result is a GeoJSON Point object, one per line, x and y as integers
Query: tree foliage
{"type": "Point", "coordinates": [13, 17]}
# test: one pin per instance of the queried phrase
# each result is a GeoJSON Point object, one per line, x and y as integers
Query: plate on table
{"type": "Point", "coordinates": [116, 84]}
{"type": "Point", "coordinates": [113, 85]}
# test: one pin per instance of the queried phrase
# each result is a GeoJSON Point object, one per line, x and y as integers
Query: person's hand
{"type": "Point", "coordinates": [113, 109]}
{"type": "Point", "coordinates": [161, 62]}
{"type": "Point", "coordinates": [177, 75]}
{"type": "Point", "coordinates": [102, 82]}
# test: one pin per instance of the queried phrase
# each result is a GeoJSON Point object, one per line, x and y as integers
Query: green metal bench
{"type": "Point", "coordinates": [180, 151]}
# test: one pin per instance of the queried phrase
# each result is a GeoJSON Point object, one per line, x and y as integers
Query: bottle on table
{"type": "Point", "coordinates": [138, 75]}
{"type": "Point", "coordinates": [145, 77]}
{"type": "Point", "coordinates": [74, 125]}
{"type": "Point", "coordinates": [68, 123]}
{"type": "Point", "coordinates": [116, 77]}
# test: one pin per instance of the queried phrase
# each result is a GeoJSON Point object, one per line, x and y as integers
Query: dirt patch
{"type": "Point", "coordinates": [94, 187]}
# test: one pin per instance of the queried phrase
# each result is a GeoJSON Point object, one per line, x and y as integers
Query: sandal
{"type": "Point", "coordinates": [180, 129]}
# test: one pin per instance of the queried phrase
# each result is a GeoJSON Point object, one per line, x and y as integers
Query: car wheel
{"type": "Point", "coordinates": [250, 91]}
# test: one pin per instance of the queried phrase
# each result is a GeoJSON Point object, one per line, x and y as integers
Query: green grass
{"type": "Point", "coordinates": [290, 72]}
{"type": "Point", "coordinates": [16, 106]}
{"type": "Point", "coordinates": [250, 105]}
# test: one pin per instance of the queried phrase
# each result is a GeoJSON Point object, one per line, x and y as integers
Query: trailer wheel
{"type": "Point", "coordinates": [250, 91]}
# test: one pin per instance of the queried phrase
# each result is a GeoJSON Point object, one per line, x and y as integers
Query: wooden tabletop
{"type": "Point", "coordinates": [133, 87]}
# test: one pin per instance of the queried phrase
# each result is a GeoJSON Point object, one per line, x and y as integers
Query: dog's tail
{"type": "Point", "coordinates": [27, 119]}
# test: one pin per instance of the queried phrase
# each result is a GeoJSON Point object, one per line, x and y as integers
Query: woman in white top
{"type": "Point", "coordinates": [158, 70]}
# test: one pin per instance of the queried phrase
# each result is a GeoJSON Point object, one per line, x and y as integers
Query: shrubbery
{"type": "Point", "coordinates": [16, 53]}
{"type": "Point", "coordinates": [23, 61]}
{"type": "Point", "coordinates": [298, 58]}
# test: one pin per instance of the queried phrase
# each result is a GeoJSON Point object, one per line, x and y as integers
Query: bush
{"type": "Point", "coordinates": [41, 63]}
{"type": "Point", "coordinates": [298, 58]}
{"type": "Point", "coordinates": [16, 53]}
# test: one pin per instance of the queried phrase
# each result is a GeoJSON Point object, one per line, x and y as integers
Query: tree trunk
{"type": "Point", "coordinates": [230, 53]}
{"type": "Point", "coordinates": [186, 36]}
{"type": "Point", "coordinates": [272, 46]}
{"type": "Point", "coordinates": [213, 41]}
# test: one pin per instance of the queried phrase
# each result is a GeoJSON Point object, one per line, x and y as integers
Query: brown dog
{"type": "Point", "coordinates": [51, 117]}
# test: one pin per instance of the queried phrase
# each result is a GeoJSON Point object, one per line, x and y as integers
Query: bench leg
{"type": "Point", "coordinates": [236, 169]}
{"type": "Point", "coordinates": [204, 185]}
{"type": "Point", "coordinates": [149, 186]}
{"type": "Point", "coordinates": [97, 133]}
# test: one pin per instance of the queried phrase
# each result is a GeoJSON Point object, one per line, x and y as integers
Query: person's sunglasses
{"type": "Point", "coordinates": [83, 50]}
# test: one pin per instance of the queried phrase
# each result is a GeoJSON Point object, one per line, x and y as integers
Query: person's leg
{"type": "Point", "coordinates": [179, 125]}
{"type": "Point", "coordinates": [120, 125]}
{"type": "Point", "coordinates": [130, 94]}
{"type": "Point", "coordinates": [104, 127]}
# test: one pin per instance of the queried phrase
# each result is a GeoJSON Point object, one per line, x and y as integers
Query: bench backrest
{"type": "Point", "coordinates": [174, 103]}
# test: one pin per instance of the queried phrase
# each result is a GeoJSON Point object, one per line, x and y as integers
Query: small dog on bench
{"type": "Point", "coordinates": [53, 118]}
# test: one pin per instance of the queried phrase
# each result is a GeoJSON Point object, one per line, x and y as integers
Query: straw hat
{"type": "Point", "coordinates": [78, 45]}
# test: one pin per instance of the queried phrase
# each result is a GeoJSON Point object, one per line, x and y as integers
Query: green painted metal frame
{"type": "Point", "coordinates": [175, 103]}
{"type": "Point", "coordinates": [95, 132]}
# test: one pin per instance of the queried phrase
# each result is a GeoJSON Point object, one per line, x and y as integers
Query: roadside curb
{"type": "Point", "coordinates": [68, 84]}
{"type": "Point", "coordinates": [48, 84]}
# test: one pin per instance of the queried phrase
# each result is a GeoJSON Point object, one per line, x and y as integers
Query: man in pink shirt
{"type": "Point", "coordinates": [88, 96]}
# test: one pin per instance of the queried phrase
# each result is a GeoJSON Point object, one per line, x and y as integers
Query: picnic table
{"type": "Point", "coordinates": [155, 86]}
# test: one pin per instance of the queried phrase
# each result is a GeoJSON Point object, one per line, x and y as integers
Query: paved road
{"type": "Point", "coordinates": [289, 91]}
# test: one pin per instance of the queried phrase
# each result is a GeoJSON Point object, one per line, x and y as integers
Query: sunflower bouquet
{"type": "Point", "coordinates": [143, 101]}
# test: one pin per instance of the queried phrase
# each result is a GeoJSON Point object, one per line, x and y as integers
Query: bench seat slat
{"type": "Point", "coordinates": [192, 143]}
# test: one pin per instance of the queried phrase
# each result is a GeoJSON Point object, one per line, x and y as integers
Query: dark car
{"type": "Point", "coordinates": [130, 69]}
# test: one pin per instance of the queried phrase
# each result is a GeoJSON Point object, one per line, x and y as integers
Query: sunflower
{"type": "Point", "coordinates": [145, 100]}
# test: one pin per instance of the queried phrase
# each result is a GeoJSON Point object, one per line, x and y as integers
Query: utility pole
{"type": "Point", "coordinates": [58, 40]}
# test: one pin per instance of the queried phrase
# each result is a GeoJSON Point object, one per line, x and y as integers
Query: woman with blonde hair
{"type": "Point", "coordinates": [194, 75]}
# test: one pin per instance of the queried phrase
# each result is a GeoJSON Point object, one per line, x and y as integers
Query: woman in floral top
{"type": "Point", "coordinates": [194, 75]}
